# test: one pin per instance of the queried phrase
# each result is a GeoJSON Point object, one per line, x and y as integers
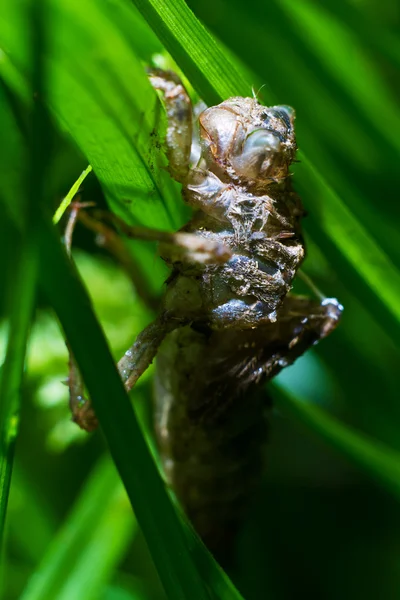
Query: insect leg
{"type": "Point", "coordinates": [141, 354]}
{"type": "Point", "coordinates": [302, 322]}
{"type": "Point", "coordinates": [258, 353]}
{"type": "Point", "coordinates": [179, 129]}
{"type": "Point", "coordinates": [81, 408]}
{"type": "Point", "coordinates": [108, 238]}
{"type": "Point", "coordinates": [249, 313]}
{"type": "Point", "coordinates": [174, 247]}
{"type": "Point", "coordinates": [131, 366]}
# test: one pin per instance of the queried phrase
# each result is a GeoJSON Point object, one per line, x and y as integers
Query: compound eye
{"type": "Point", "coordinates": [260, 146]}
{"type": "Point", "coordinates": [285, 114]}
{"type": "Point", "coordinates": [261, 141]}
{"type": "Point", "coordinates": [287, 109]}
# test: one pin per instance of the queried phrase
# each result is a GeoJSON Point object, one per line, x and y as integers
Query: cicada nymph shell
{"type": "Point", "coordinates": [243, 326]}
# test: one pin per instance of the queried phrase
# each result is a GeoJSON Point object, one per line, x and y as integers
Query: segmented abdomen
{"type": "Point", "coordinates": [210, 428]}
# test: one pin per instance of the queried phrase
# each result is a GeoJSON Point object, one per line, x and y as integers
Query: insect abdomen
{"type": "Point", "coordinates": [210, 434]}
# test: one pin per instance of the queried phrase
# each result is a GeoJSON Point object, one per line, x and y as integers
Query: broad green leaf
{"type": "Point", "coordinates": [110, 115]}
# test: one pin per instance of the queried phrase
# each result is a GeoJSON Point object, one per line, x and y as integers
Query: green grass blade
{"type": "Point", "coordinates": [95, 533]}
{"type": "Point", "coordinates": [23, 282]}
{"type": "Point", "coordinates": [13, 160]}
{"type": "Point", "coordinates": [209, 569]}
{"type": "Point", "coordinates": [150, 502]}
{"type": "Point", "coordinates": [360, 249]}
{"type": "Point", "coordinates": [337, 46]}
{"type": "Point", "coordinates": [71, 194]}
{"type": "Point", "coordinates": [21, 309]}
{"type": "Point", "coordinates": [377, 460]}
{"type": "Point", "coordinates": [36, 516]}
{"type": "Point", "coordinates": [186, 39]}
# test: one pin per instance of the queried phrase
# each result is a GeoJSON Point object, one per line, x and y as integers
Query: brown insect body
{"type": "Point", "coordinates": [210, 431]}
{"type": "Point", "coordinates": [244, 327]}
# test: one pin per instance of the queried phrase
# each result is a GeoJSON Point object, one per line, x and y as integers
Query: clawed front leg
{"type": "Point", "coordinates": [179, 127]}
{"type": "Point", "coordinates": [131, 366]}
{"type": "Point", "coordinates": [303, 322]}
{"type": "Point", "coordinates": [300, 323]}
{"type": "Point", "coordinates": [140, 355]}
{"type": "Point", "coordinates": [178, 247]}
{"type": "Point", "coordinates": [237, 358]}
{"type": "Point", "coordinates": [81, 408]}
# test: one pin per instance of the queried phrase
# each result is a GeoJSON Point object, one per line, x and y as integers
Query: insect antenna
{"type": "Point", "coordinates": [256, 94]}
{"type": "Point", "coordinates": [75, 207]}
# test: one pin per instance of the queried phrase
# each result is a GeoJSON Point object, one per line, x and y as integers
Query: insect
{"type": "Point", "coordinates": [228, 322]}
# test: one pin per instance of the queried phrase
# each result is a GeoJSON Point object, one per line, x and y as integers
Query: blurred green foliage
{"type": "Point", "coordinates": [321, 527]}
